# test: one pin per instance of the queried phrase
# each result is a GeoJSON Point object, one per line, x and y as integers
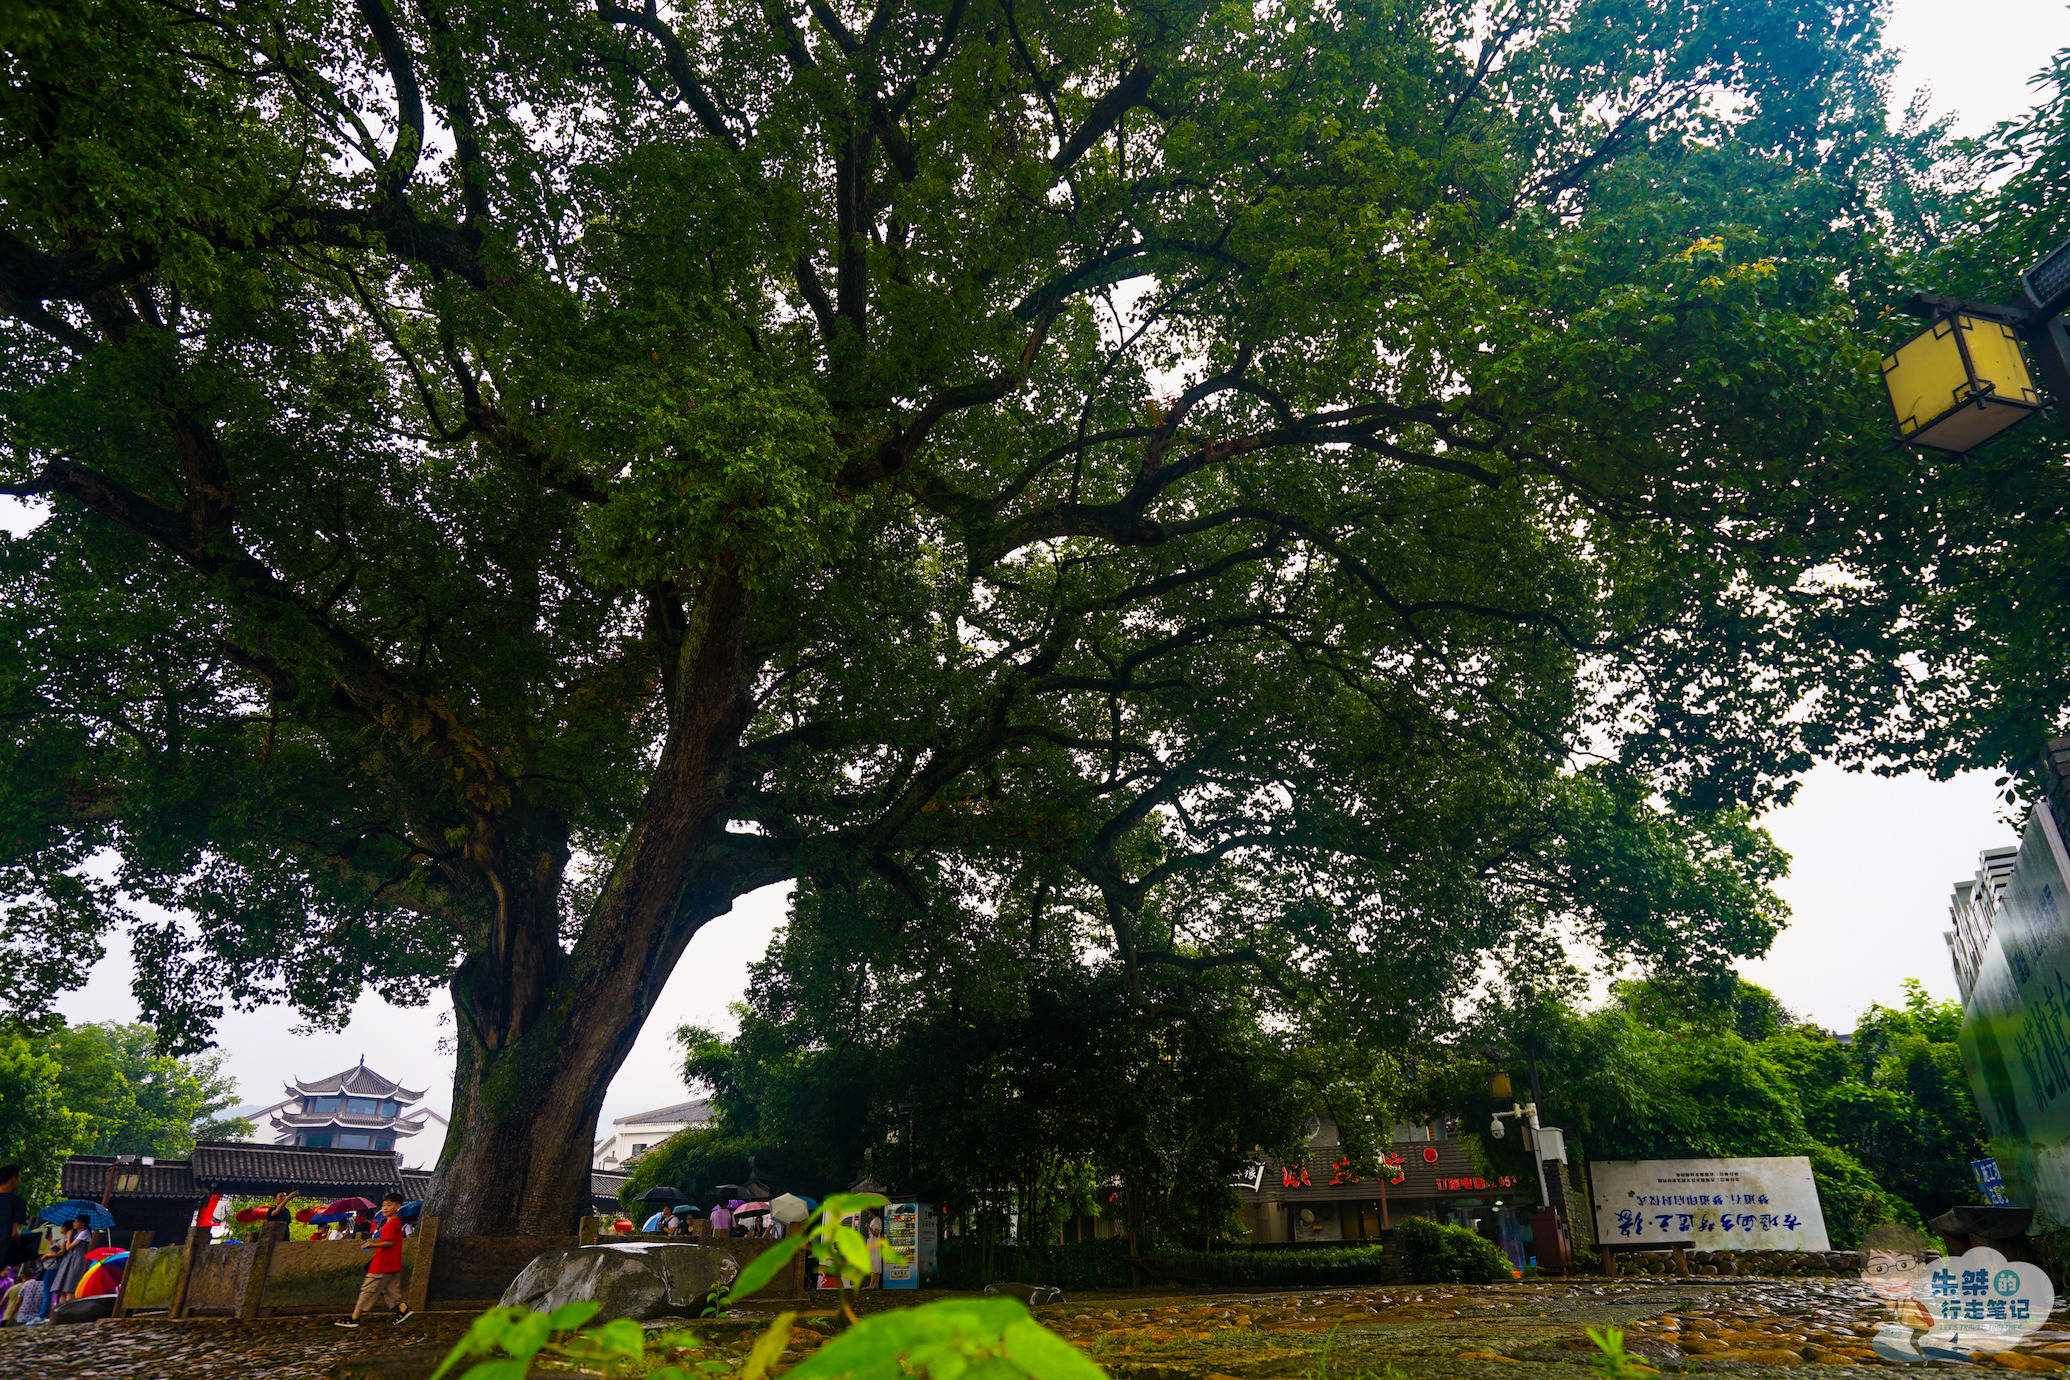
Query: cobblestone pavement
{"type": "Point", "coordinates": [1754, 1327]}
{"type": "Point", "coordinates": [213, 1349]}
{"type": "Point", "coordinates": [1743, 1327]}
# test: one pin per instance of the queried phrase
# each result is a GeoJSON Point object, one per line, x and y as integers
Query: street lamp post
{"type": "Point", "coordinates": [1966, 377]}
{"type": "Point", "coordinates": [1527, 1113]}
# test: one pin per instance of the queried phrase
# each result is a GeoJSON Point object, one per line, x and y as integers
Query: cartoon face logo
{"type": "Point", "coordinates": [1888, 1274]}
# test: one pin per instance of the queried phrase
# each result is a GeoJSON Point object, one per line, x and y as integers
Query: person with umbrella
{"type": "Point", "coordinates": [665, 1198]}
{"type": "Point", "coordinates": [71, 1264]}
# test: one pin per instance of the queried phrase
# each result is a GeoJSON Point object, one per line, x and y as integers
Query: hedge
{"type": "Point", "coordinates": [1439, 1254]}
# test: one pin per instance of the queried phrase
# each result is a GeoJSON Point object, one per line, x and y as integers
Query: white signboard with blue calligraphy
{"type": "Point", "coordinates": [1766, 1203]}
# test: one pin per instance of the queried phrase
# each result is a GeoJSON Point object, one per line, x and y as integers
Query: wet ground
{"type": "Point", "coordinates": [1743, 1327]}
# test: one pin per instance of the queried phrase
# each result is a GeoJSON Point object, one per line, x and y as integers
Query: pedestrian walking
{"type": "Point", "coordinates": [382, 1288]}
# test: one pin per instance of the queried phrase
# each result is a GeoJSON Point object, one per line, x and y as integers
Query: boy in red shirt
{"type": "Point", "coordinates": [383, 1284]}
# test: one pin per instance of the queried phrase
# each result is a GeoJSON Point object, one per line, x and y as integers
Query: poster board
{"type": "Point", "coordinates": [1765, 1203]}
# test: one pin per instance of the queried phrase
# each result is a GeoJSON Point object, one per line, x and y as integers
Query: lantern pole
{"type": "Point", "coordinates": [2036, 323]}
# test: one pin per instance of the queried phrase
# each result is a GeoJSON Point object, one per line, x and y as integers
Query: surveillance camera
{"type": "Point", "coordinates": [1495, 1128]}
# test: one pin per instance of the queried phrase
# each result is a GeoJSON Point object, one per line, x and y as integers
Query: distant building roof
{"type": "Point", "coordinates": [86, 1176]}
{"type": "Point", "coordinates": [234, 1166]}
{"type": "Point", "coordinates": [407, 1125]}
{"type": "Point", "coordinates": [699, 1109]}
{"type": "Point", "coordinates": [603, 1188]}
{"type": "Point", "coordinates": [359, 1081]}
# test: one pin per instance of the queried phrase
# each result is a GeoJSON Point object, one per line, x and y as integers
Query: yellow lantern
{"type": "Point", "coordinates": [1498, 1088]}
{"type": "Point", "coordinates": [1958, 383]}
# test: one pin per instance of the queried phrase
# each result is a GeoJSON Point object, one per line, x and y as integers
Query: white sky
{"type": "Point", "coordinates": [1874, 858]}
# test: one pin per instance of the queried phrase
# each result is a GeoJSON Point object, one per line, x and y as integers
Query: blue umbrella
{"type": "Point", "coordinates": [97, 1217]}
{"type": "Point", "coordinates": [324, 1219]}
{"type": "Point", "coordinates": [652, 1223]}
{"type": "Point", "coordinates": [410, 1211]}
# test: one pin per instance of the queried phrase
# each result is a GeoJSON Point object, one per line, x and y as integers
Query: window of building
{"type": "Point", "coordinates": [355, 1140]}
{"type": "Point", "coordinates": [363, 1106]}
{"type": "Point", "coordinates": [384, 1141]}
{"type": "Point", "coordinates": [319, 1104]}
{"type": "Point", "coordinates": [391, 1107]}
{"type": "Point", "coordinates": [315, 1140]}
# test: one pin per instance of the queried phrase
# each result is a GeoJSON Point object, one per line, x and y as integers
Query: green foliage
{"type": "Point", "coordinates": [617, 1347]}
{"type": "Point", "coordinates": [138, 1101]}
{"type": "Point", "coordinates": [1903, 1105]}
{"type": "Point", "coordinates": [1029, 1077]}
{"type": "Point", "coordinates": [982, 1338]}
{"type": "Point", "coordinates": [1610, 1361]}
{"type": "Point", "coordinates": [513, 479]}
{"type": "Point", "coordinates": [36, 1129]}
{"type": "Point", "coordinates": [1676, 1070]}
{"type": "Point", "coordinates": [1438, 1253]}
{"type": "Point", "coordinates": [1851, 1197]}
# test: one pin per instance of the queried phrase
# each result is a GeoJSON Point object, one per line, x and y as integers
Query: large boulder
{"type": "Point", "coordinates": [639, 1279]}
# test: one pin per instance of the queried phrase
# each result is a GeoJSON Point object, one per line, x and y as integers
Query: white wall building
{"type": "Point", "coordinates": [633, 1136]}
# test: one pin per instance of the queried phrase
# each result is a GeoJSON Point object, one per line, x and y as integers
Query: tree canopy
{"type": "Point", "coordinates": [37, 1131]}
{"type": "Point", "coordinates": [516, 475]}
{"type": "Point", "coordinates": [102, 1089]}
{"type": "Point", "coordinates": [135, 1100]}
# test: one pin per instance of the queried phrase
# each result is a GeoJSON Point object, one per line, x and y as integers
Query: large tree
{"type": "Point", "coordinates": [514, 477]}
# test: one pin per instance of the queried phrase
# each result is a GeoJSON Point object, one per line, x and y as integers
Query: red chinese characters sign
{"type": "Point", "coordinates": [1393, 1172]}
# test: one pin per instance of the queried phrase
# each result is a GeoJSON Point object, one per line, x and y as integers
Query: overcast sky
{"type": "Point", "coordinates": [1874, 858]}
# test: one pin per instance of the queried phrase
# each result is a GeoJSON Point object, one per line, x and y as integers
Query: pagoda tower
{"type": "Point", "coordinates": [357, 1109]}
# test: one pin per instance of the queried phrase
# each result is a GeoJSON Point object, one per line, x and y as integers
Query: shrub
{"type": "Point", "coordinates": [1069, 1265]}
{"type": "Point", "coordinates": [1438, 1254]}
{"type": "Point", "coordinates": [1851, 1199]}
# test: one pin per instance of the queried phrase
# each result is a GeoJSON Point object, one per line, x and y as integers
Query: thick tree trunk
{"type": "Point", "coordinates": [542, 1030]}
{"type": "Point", "coordinates": [525, 1109]}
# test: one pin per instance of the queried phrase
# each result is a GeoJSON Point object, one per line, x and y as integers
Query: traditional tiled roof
{"type": "Point", "coordinates": [692, 1112]}
{"type": "Point", "coordinates": [604, 1186]}
{"type": "Point", "coordinates": [86, 1176]}
{"type": "Point", "coordinates": [401, 1125]}
{"type": "Point", "coordinates": [359, 1081]}
{"type": "Point", "coordinates": [234, 1165]}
